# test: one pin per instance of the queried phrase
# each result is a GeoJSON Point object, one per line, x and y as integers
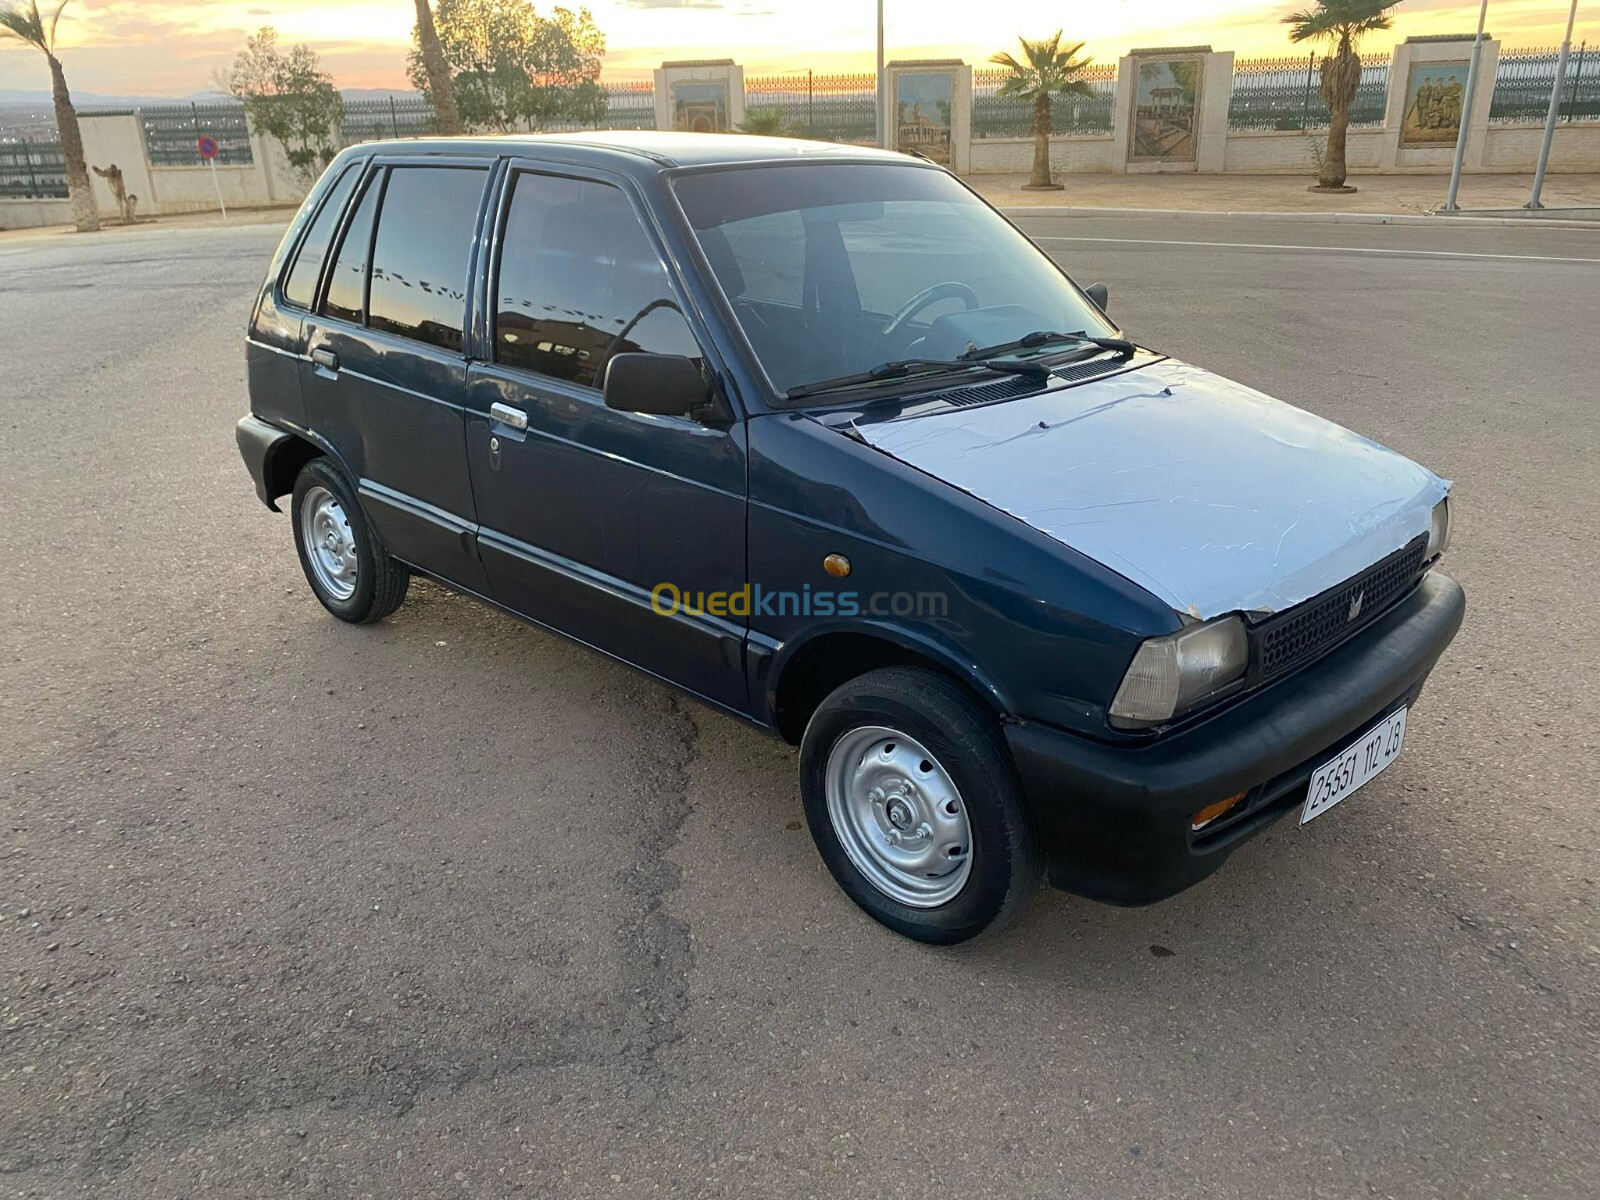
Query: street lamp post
{"type": "Point", "coordinates": [1466, 114]}
{"type": "Point", "coordinates": [883, 114]}
{"type": "Point", "coordinates": [1555, 111]}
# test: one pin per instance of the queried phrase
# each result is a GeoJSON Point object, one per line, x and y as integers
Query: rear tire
{"type": "Point", "coordinates": [347, 567]}
{"type": "Point", "coordinates": [915, 807]}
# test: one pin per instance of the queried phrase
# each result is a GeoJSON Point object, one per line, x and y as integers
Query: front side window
{"type": "Point", "coordinates": [833, 269]}
{"type": "Point", "coordinates": [579, 281]}
{"type": "Point", "coordinates": [422, 253]}
{"type": "Point", "coordinates": [300, 287]}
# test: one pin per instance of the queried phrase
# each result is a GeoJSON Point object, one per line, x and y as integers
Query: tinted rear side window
{"type": "Point", "coordinates": [348, 279]}
{"type": "Point", "coordinates": [420, 260]}
{"type": "Point", "coordinates": [580, 281]}
{"type": "Point", "coordinates": [301, 285]}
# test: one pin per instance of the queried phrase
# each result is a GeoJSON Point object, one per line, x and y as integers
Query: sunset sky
{"type": "Point", "coordinates": [147, 48]}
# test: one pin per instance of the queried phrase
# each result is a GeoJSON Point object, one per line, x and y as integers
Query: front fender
{"type": "Point", "coordinates": [768, 660]}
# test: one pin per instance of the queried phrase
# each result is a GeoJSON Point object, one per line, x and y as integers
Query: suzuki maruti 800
{"type": "Point", "coordinates": [815, 435]}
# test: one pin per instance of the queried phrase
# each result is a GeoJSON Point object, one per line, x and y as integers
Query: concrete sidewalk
{"type": "Point", "coordinates": [1391, 194]}
{"type": "Point", "coordinates": [238, 218]}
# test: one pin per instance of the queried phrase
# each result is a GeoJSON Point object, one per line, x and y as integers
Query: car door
{"type": "Point", "coordinates": [386, 368]}
{"type": "Point", "coordinates": [276, 345]}
{"type": "Point", "coordinates": [584, 511]}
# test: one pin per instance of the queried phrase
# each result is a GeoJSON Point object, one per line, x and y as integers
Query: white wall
{"type": "Point", "coordinates": [1502, 148]}
{"type": "Point", "coordinates": [1275, 152]}
{"type": "Point", "coordinates": [1076, 155]}
{"type": "Point", "coordinates": [30, 214]}
{"type": "Point", "coordinates": [1505, 148]}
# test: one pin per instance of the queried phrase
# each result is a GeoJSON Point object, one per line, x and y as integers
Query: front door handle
{"type": "Point", "coordinates": [325, 358]}
{"type": "Point", "coordinates": [507, 415]}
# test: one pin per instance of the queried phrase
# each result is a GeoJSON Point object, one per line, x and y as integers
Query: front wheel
{"type": "Point", "coordinates": [914, 806]}
{"type": "Point", "coordinates": [345, 564]}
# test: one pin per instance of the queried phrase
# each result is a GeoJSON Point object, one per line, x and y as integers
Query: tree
{"type": "Point", "coordinates": [39, 31]}
{"type": "Point", "coordinates": [436, 70]}
{"type": "Point", "coordinates": [1341, 23]}
{"type": "Point", "coordinates": [512, 68]}
{"type": "Point", "coordinates": [1046, 71]}
{"type": "Point", "coordinates": [765, 122]}
{"type": "Point", "coordinates": [290, 98]}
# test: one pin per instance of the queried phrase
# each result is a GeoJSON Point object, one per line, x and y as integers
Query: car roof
{"type": "Point", "coordinates": [663, 148]}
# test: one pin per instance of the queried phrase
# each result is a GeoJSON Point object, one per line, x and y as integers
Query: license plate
{"type": "Point", "coordinates": [1367, 758]}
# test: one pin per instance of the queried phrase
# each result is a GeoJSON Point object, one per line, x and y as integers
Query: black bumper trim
{"type": "Point", "coordinates": [1114, 820]}
{"type": "Point", "coordinates": [258, 441]}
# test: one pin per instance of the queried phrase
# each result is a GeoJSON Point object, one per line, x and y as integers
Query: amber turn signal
{"type": "Point", "coordinates": [1212, 812]}
{"type": "Point", "coordinates": [836, 565]}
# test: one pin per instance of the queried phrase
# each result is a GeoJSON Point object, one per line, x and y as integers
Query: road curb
{"type": "Point", "coordinates": [1330, 218]}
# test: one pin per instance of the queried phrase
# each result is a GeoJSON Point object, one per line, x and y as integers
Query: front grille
{"type": "Point", "coordinates": [1308, 629]}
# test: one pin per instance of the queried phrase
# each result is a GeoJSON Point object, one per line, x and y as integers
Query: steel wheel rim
{"type": "Point", "coordinates": [329, 541]}
{"type": "Point", "coordinates": [899, 816]}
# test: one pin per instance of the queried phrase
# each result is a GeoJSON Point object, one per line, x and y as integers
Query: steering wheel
{"type": "Point", "coordinates": [939, 291]}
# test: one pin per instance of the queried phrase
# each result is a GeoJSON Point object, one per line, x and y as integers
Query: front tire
{"type": "Point", "coordinates": [914, 805]}
{"type": "Point", "coordinates": [347, 567]}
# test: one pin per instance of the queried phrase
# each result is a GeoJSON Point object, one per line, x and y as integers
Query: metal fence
{"type": "Point", "coordinates": [1524, 79]}
{"type": "Point", "coordinates": [172, 130]}
{"type": "Point", "coordinates": [32, 171]}
{"type": "Point", "coordinates": [394, 117]}
{"type": "Point", "coordinates": [832, 108]}
{"type": "Point", "coordinates": [1268, 94]}
{"type": "Point", "coordinates": [1283, 93]}
{"type": "Point", "coordinates": [996, 116]}
{"type": "Point", "coordinates": [629, 105]}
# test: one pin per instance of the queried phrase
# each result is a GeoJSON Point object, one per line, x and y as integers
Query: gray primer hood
{"type": "Point", "coordinates": [1210, 495]}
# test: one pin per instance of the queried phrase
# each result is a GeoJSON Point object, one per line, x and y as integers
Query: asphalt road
{"type": "Point", "coordinates": [447, 906]}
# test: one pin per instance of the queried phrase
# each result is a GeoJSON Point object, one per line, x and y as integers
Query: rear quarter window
{"type": "Point", "coordinates": [300, 285]}
{"type": "Point", "coordinates": [346, 294]}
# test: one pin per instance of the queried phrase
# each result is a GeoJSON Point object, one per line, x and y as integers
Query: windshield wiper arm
{"type": "Point", "coordinates": [1043, 337]}
{"type": "Point", "coordinates": [901, 368]}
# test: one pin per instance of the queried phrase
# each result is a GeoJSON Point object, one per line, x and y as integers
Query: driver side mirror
{"type": "Point", "coordinates": [662, 385]}
{"type": "Point", "coordinates": [1101, 296]}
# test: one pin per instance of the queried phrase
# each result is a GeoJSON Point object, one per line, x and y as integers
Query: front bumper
{"type": "Point", "coordinates": [1114, 820]}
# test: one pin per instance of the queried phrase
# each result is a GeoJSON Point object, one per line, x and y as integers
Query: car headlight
{"type": "Point", "coordinates": [1439, 529]}
{"type": "Point", "coordinates": [1171, 674]}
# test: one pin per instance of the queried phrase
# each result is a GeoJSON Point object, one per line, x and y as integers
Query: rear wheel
{"type": "Point", "coordinates": [914, 806]}
{"type": "Point", "coordinates": [347, 567]}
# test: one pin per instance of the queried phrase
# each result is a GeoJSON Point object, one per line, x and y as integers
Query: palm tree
{"type": "Point", "coordinates": [765, 122]}
{"type": "Point", "coordinates": [39, 31]}
{"type": "Point", "coordinates": [440, 88]}
{"type": "Point", "coordinates": [1048, 70]}
{"type": "Point", "coordinates": [1341, 23]}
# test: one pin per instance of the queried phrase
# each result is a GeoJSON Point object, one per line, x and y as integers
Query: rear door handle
{"type": "Point", "coordinates": [326, 359]}
{"type": "Point", "coordinates": [507, 415]}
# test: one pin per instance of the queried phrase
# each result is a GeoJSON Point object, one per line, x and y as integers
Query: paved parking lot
{"type": "Point", "coordinates": [447, 906]}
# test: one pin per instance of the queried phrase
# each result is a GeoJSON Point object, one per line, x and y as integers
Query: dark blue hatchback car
{"type": "Point", "coordinates": [814, 434]}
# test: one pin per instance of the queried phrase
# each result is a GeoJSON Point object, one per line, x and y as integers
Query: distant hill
{"type": "Point", "coordinates": [10, 97]}
{"type": "Point", "coordinates": [14, 96]}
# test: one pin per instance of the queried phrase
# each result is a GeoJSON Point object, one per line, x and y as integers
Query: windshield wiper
{"type": "Point", "coordinates": [1044, 337]}
{"type": "Point", "coordinates": [902, 368]}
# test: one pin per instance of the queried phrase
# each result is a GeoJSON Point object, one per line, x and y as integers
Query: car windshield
{"type": "Point", "coordinates": [832, 269]}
